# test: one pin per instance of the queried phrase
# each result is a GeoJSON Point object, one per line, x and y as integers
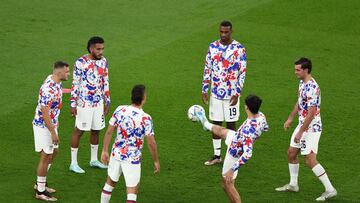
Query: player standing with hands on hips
{"type": "Point", "coordinates": [90, 100]}
{"type": "Point", "coordinates": [225, 69]}
{"type": "Point", "coordinates": [306, 136]}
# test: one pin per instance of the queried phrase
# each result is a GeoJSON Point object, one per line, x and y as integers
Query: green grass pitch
{"type": "Point", "coordinates": [163, 44]}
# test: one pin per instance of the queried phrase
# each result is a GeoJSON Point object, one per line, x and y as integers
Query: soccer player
{"type": "Point", "coordinates": [132, 125]}
{"type": "Point", "coordinates": [225, 68]}
{"type": "Point", "coordinates": [240, 143]}
{"type": "Point", "coordinates": [306, 136]}
{"type": "Point", "coordinates": [45, 125]}
{"type": "Point", "coordinates": [90, 100]}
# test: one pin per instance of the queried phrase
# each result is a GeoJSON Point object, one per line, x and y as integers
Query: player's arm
{"type": "Point", "coordinates": [45, 110]}
{"type": "Point", "coordinates": [291, 116]}
{"type": "Point", "coordinates": [74, 94]}
{"type": "Point", "coordinates": [247, 153]}
{"type": "Point", "coordinates": [154, 153]}
{"type": "Point", "coordinates": [241, 76]}
{"type": "Point", "coordinates": [106, 90]}
{"type": "Point", "coordinates": [105, 150]}
{"type": "Point", "coordinates": [206, 77]}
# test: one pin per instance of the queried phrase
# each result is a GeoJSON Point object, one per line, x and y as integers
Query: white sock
{"type": "Point", "coordinates": [131, 197]}
{"type": "Point", "coordinates": [208, 125]}
{"type": "Point", "coordinates": [74, 152]}
{"type": "Point", "coordinates": [41, 182]}
{"type": "Point", "coordinates": [94, 152]}
{"type": "Point", "coordinates": [49, 167]}
{"type": "Point", "coordinates": [319, 171]}
{"type": "Point", "coordinates": [106, 193]}
{"type": "Point", "coordinates": [294, 172]}
{"type": "Point", "coordinates": [217, 147]}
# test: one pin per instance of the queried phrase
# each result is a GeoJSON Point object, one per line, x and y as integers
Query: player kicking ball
{"type": "Point", "coordinates": [240, 142]}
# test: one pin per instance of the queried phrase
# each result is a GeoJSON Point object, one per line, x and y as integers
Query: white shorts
{"type": "Point", "coordinates": [131, 172]}
{"type": "Point", "coordinates": [220, 110]}
{"type": "Point", "coordinates": [90, 118]}
{"type": "Point", "coordinates": [308, 143]}
{"type": "Point", "coordinates": [229, 160]}
{"type": "Point", "coordinates": [43, 141]}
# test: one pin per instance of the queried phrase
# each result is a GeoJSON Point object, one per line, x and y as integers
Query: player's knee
{"type": "Point", "coordinates": [310, 161]}
{"type": "Point", "coordinates": [292, 154]}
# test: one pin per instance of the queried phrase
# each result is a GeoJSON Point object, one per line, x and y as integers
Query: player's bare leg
{"type": "Point", "coordinates": [107, 190]}
{"type": "Point", "coordinates": [75, 140]}
{"type": "Point", "coordinates": [217, 148]}
{"type": "Point", "coordinates": [94, 137]}
{"type": "Point", "coordinates": [94, 145]}
{"type": "Point", "coordinates": [320, 172]}
{"type": "Point", "coordinates": [293, 161]}
{"type": "Point", "coordinates": [41, 192]}
{"type": "Point", "coordinates": [231, 191]}
{"type": "Point", "coordinates": [51, 159]}
{"type": "Point", "coordinates": [231, 125]}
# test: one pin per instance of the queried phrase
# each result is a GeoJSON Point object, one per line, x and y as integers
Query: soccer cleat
{"type": "Point", "coordinates": [97, 164]}
{"type": "Point", "coordinates": [327, 195]}
{"type": "Point", "coordinates": [49, 189]}
{"type": "Point", "coordinates": [76, 168]}
{"type": "Point", "coordinates": [288, 188]}
{"type": "Point", "coordinates": [213, 160]}
{"type": "Point", "coordinates": [200, 115]}
{"type": "Point", "coordinates": [45, 196]}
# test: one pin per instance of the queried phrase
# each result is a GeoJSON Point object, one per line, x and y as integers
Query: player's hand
{"type": "Point", "coordinates": [287, 124]}
{"type": "Point", "coordinates": [156, 167]}
{"type": "Point", "coordinates": [298, 137]}
{"type": "Point", "coordinates": [55, 139]}
{"type": "Point", "coordinates": [106, 109]}
{"type": "Point", "coordinates": [105, 157]}
{"type": "Point", "coordinates": [73, 111]}
{"type": "Point", "coordinates": [233, 100]}
{"type": "Point", "coordinates": [205, 98]}
{"type": "Point", "coordinates": [229, 176]}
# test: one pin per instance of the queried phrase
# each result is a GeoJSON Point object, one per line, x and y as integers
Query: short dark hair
{"type": "Point", "coordinates": [60, 64]}
{"type": "Point", "coordinates": [305, 63]}
{"type": "Point", "coordinates": [253, 103]}
{"type": "Point", "coordinates": [137, 94]}
{"type": "Point", "coordinates": [226, 23]}
{"type": "Point", "coordinates": [94, 40]}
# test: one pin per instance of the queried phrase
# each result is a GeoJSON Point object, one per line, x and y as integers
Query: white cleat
{"type": "Point", "coordinates": [288, 188]}
{"type": "Point", "coordinates": [327, 195]}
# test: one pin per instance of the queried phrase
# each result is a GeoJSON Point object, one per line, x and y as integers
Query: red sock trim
{"type": "Point", "coordinates": [130, 201]}
{"type": "Point", "coordinates": [321, 174]}
{"type": "Point", "coordinates": [106, 192]}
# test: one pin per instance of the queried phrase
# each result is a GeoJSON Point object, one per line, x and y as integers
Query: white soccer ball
{"type": "Point", "coordinates": [191, 112]}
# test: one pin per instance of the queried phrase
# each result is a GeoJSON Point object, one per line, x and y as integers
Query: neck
{"type": "Point", "coordinates": [226, 42]}
{"type": "Point", "coordinates": [307, 78]}
{"type": "Point", "coordinates": [92, 57]}
{"type": "Point", "coordinates": [137, 106]}
{"type": "Point", "coordinates": [55, 78]}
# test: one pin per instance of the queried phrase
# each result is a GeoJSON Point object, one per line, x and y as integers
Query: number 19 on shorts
{"type": "Point", "coordinates": [232, 111]}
